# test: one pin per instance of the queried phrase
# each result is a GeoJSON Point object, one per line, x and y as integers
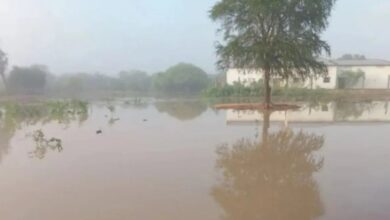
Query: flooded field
{"type": "Point", "coordinates": [184, 160]}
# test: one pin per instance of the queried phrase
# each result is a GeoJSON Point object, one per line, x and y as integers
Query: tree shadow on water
{"type": "Point", "coordinates": [182, 110]}
{"type": "Point", "coordinates": [271, 179]}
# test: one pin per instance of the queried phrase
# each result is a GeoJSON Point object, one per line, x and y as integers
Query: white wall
{"type": "Point", "coordinates": [245, 77]}
{"type": "Point", "coordinates": [320, 83]}
{"type": "Point", "coordinates": [376, 77]}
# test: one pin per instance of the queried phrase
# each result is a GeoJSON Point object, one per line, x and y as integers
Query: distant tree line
{"type": "Point", "coordinates": [181, 79]}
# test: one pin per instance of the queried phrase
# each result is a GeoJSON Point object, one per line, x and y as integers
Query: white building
{"type": "Point", "coordinates": [342, 74]}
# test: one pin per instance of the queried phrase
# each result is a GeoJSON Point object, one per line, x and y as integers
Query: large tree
{"type": "Point", "coordinates": [279, 37]}
{"type": "Point", "coordinates": [182, 78]}
{"type": "Point", "coordinates": [3, 67]}
{"type": "Point", "coordinates": [28, 80]}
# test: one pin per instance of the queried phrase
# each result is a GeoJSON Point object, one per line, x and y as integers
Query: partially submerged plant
{"type": "Point", "coordinates": [42, 144]}
{"type": "Point", "coordinates": [63, 112]}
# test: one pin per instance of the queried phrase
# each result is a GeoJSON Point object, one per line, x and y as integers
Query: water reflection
{"type": "Point", "coordinates": [112, 119]}
{"type": "Point", "coordinates": [15, 116]}
{"type": "Point", "coordinates": [270, 179]}
{"type": "Point", "coordinates": [5, 137]}
{"type": "Point", "coordinates": [136, 103]}
{"type": "Point", "coordinates": [333, 112]}
{"type": "Point", "coordinates": [360, 111]}
{"type": "Point", "coordinates": [183, 110]}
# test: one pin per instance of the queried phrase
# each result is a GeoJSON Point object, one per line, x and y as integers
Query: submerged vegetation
{"type": "Point", "coordinates": [16, 115]}
{"type": "Point", "coordinates": [62, 112]}
{"type": "Point", "coordinates": [179, 79]}
{"type": "Point", "coordinates": [42, 144]}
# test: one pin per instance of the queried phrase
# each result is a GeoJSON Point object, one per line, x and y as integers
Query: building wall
{"type": "Point", "coordinates": [376, 77]}
{"type": "Point", "coordinates": [319, 82]}
{"type": "Point", "coordinates": [247, 77]}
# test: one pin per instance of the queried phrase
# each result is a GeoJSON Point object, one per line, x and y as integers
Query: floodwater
{"type": "Point", "coordinates": [184, 160]}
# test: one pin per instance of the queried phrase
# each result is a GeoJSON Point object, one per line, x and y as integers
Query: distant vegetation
{"type": "Point", "coordinates": [3, 66]}
{"type": "Point", "coordinates": [181, 79]}
{"type": "Point", "coordinates": [28, 80]}
{"type": "Point", "coordinates": [135, 81]}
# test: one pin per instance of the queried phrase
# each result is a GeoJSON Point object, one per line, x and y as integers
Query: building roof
{"type": "Point", "coordinates": [365, 62]}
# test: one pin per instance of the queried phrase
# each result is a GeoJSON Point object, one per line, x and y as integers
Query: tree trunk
{"type": "Point", "coordinates": [287, 82]}
{"type": "Point", "coordinates": [266, 125]}
{"type": "Point", "coordinates": [267, 89]}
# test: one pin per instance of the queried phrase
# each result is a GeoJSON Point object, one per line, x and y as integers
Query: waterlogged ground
{"type": "Point", "coordinates": [182, 160]}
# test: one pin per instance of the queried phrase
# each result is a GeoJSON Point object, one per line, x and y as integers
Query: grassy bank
{"type": "Point", "coordinates": [256, 92]}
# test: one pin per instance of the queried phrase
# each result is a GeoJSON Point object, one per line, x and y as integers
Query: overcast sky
{"type": "Point", "coordinates": [112, 35]}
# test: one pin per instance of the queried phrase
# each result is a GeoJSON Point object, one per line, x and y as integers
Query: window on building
{"type": "Point", "coordinates": [327, 79]}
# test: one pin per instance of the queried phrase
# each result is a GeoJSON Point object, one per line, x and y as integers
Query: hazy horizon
{"type": "Point", "coordinates": [107, 37]}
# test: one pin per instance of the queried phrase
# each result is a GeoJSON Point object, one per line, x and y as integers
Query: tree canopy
{"type": "Point", "coordinates": [3, 66]}
{"type": "Point", "coordinates": [183, 77]}
{"type": "Point", "coordinates": [281, 37]}
{"type": "Point", "coordinates": [28, 80]}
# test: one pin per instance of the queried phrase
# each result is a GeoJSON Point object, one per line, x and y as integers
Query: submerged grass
{"type": "Point", "coordinates": [255, 93]}
{"type": "Point", "coordinates": [13, 114]}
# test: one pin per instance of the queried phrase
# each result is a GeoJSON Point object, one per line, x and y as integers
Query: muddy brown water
{"type": "Point", "coordinates": [174, 161]}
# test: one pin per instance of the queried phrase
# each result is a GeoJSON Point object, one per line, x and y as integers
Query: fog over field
{"type": "Point", "coordinates": [110, 36]}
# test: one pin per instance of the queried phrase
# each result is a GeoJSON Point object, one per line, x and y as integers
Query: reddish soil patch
{"type": "Point", "coordinates": [256, 106]}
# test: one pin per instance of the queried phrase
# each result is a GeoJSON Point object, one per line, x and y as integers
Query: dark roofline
{"type": "Point", "coordinates": [367, 62]}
